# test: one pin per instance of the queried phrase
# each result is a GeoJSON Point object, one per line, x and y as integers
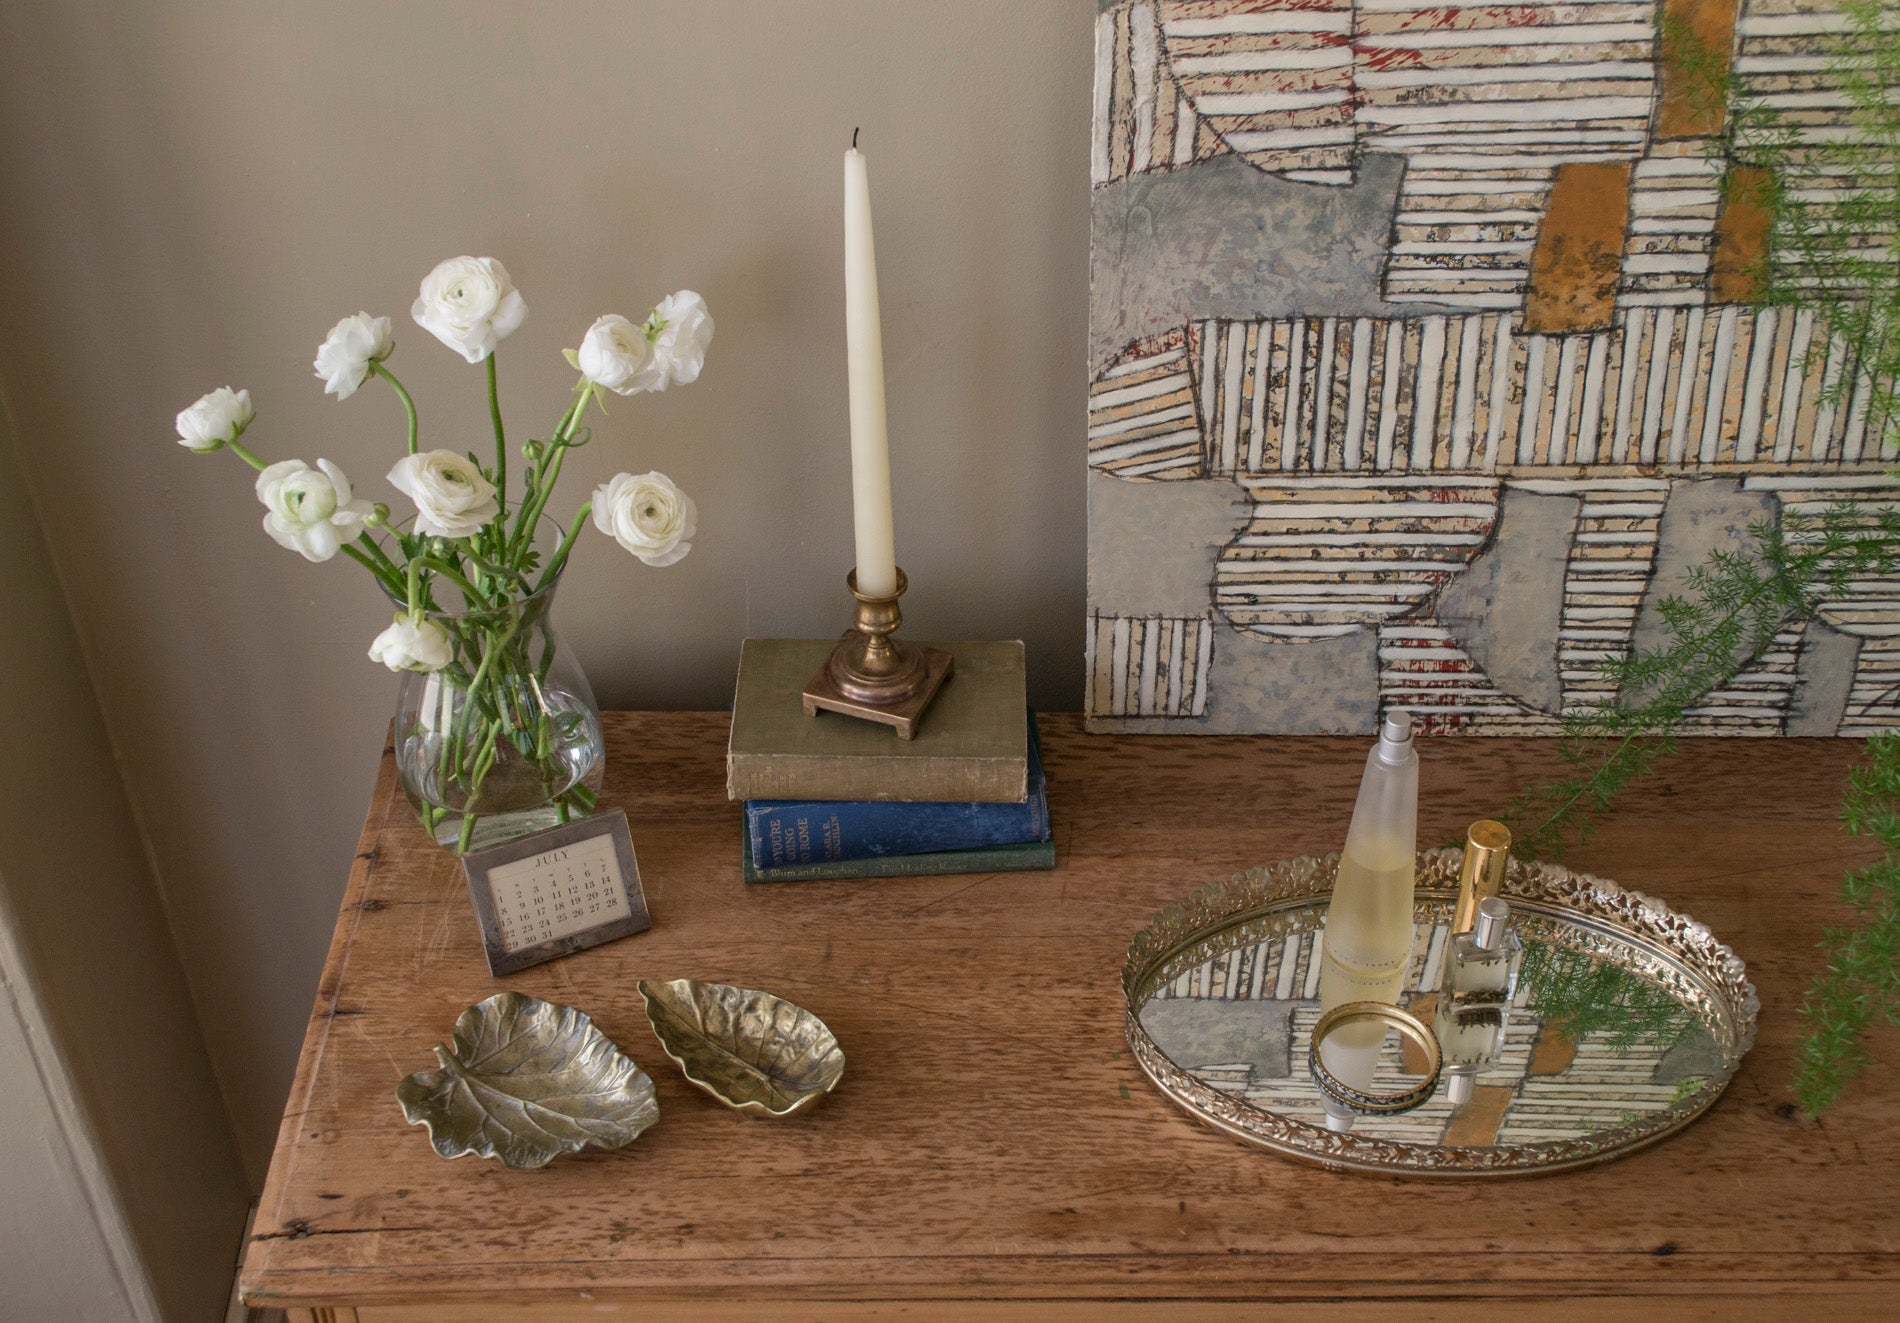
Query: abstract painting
{"type": "Point", "coordinates": [1425, 360]}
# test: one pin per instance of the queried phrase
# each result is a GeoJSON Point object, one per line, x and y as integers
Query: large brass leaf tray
{"type": "Point", "coordinates": [756, 1053]}
{"type": "Point", "coordinates": [526, 1080]}
{"type": "Point", "coordinates": [1628, 1022]}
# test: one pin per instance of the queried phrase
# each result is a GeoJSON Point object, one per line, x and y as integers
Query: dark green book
{"type": "Point", "coordinates": [1022, 858]}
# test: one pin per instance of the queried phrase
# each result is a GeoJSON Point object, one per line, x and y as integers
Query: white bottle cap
{"type": "Point", "coordinates": [1395, 738]}
{"type": "Point", "coordinates": [1458, 1087]}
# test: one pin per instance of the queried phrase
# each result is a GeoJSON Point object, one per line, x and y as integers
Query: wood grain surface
{"type": "Point", "coordinates": [992, 1140]}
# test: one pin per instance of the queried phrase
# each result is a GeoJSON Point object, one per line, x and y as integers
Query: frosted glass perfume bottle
{"type": "Point", "coordinates": [1474, 997]}
{"type": "Point", "coordinates": [1368, 936]}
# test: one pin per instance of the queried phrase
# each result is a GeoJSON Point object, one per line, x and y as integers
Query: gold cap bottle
{"type": "Point", "coordinates": [1487, 850]}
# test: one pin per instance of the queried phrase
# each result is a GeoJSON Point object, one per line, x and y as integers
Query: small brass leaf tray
{"type": "Point", "coordinates": [526, 1081]}
{"type": "Point", "coordinates": [756, 1053]}
{"type": "Point", "coordinates": [1627, 1023]}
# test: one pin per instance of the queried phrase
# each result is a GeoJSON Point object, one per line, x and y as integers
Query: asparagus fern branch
{"type": "Point", "coordinates": [1861, 984]}
{"type": "Point", "coordinates": [1734, 605]}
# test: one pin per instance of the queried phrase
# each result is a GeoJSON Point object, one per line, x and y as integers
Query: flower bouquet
{"type": "Point", "coordinates": [496, 728]}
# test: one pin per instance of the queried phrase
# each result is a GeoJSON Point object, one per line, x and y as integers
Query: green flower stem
{"type": "Point", "coordinates": [530, 512]}
{"type": "Point", "coordinates": [494, 649]}
{"type": "Point", "coordinates": [475, 598]}
{"type": "Point", "coordinates": [550, 473]}
{"type": "Point", "coordinates": [380, 557]}
{"type": "Point", "coordinates": [559, 558]}
{"type": "Point", "coordinates": [243, 454]}
{"type": "Point", "coordinates": [484, 761]}
{"type": "Point", "coordinates": [501, 442]}
{"type": "Point", "coordinates": [389, 582]}
{"type": "Point", "coordinates": [414, 585]}
{"type": "Point", "coordinates": [408, 404]}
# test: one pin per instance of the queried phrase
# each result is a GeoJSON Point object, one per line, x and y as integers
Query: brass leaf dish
{"type": "Point", "coordinates": [1628, 1022]}
{"type": "Point", "coordinates": [756, 1053]}
{"type": "Point", "coordinates": [525, 1081]}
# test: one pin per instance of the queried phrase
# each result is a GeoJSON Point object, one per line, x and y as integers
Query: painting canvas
{"type": "Point", "coordinates": [1424, 361]}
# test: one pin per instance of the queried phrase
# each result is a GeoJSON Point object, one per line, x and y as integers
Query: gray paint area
{"type": "Point", "coordinates": [1154, 544]}
{"type": "Point", "coordinates": [1197, 1032]}
{"type": "Point", "coordinates": [1153, 548]}
{"type": "Point", "coordinates": [1703, 515]}
{"type": "Point", "coordinates": [1326, 687]}
{"type": "Point", "coordinates": [1504, 609]}
{"type": "Point", "coordinates": [1824, 676]}
{"type": "Point", "coordinates": [1224, 239]}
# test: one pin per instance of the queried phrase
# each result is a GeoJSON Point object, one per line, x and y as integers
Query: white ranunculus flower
{"type": "Point", "coordinates": [311, 510]}
{"type": "Point", "coordinates": [647, 515]}
{"type": "Point", "coordinates": [344, 357]}
{"type": "Point", "coordinates": [217, 419]}
{"type": "Point", "coordinates": [682, 331]}
{"type": "Point", "coordinates": [413, 643]}
{"type": "Point", "coordinates": [452, 497]}
{"type": "Point", "coordinates": [469, 304]}
{"type": "Point", "coordinates": [613, 353]}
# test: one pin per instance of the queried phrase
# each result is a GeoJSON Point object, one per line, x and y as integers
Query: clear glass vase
{"type": "Point", "coordinates": [504, 740]}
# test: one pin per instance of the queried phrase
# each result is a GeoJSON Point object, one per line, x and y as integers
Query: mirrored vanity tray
{"type": "Point", "coordinates": [1628, 1022]}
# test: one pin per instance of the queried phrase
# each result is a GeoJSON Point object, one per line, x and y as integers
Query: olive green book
{"type": "Point", "coordinates": [1029, 856]}
{"type": "Point", "coordinates": [972, 746]}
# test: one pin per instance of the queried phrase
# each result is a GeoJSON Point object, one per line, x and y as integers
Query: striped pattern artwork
{"type": "Point", "coordinates": [1148, 666]}
{"type": "Point", "coordinates": [1182, 80]}
{"type": "Point", "coordinates": [1781, 58]}
{"type": "Point", "coordinates": [1870, 609]}
{"type": "Point", "coordinates": [1319, 557]}
{"type": "Point", "coordinates": [1691, 390]}
{"type": "Point", "coordinates": [1142, 417]}
{"type": "Point", "coordinates": [1424, 670]}
{"type": "Point", "coordinates": [1566, 308]}
{"type": "Point", "coordinates": [1756, 701]}
{"type": "Point", "coordinates": [1485, 102]}
{"type": "Point", "coordinates": [1612, 552]}
{"type": "Point", "coordinates": [1300, 87]}
{"type": "Point", "coordinates": [1273, 82]}
{"type": "Point", "coordinates": [1674, 202]}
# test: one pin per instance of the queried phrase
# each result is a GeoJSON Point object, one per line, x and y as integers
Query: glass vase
{"type": "Point", "coordinates": [505, 739]}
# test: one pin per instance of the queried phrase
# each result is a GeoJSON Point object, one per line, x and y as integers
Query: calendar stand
{"type": "Point", "coordinates": [555, 892]}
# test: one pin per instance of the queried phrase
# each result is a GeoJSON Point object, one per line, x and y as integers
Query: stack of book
{"type": "Point", "coordinates": [790, 840]}
{"type": "Point", "coordinates": [836, 797]}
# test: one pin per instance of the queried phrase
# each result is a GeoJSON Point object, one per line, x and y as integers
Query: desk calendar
{"type": "Point", "coordinates": [555, 892]}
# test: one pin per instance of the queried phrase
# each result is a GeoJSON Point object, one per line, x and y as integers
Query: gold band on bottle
{"type": "Point", "coordinates": [1487, 851]}
{"type": "Point", "coordinates": [1360, 1100]}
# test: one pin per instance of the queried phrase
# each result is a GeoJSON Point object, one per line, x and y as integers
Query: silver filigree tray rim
{"type": "Point", "coordinates": [1548, 888]}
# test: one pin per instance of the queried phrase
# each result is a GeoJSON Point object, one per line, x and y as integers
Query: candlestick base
{"type": "Point", "coordinates": [874, 677]}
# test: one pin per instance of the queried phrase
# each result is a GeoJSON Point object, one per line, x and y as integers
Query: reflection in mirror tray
{"type": "Point", "coordinates": [1626, 1023]}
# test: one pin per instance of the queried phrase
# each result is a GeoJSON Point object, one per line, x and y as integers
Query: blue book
{"type": "Point", "coordinates": [988, 859]}
{"type": "Point", "coordinates": [784, 833]}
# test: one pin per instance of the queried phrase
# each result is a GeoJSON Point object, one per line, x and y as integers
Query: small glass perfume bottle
{"type": "Point", "coordinates": [1474, 997]}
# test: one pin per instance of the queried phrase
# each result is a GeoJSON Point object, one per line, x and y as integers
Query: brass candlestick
{"type": "Point", "coordinates": [874, 677]}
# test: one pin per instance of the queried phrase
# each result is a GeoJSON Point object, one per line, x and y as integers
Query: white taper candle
{"type": "Point", "coordinates": [870, 441]}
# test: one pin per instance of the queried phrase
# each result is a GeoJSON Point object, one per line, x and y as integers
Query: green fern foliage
{"type": "Point", "coordinates": [1577, 994]}
{"type": "Point", "coordinates": [1861, 984]}
{"type": "Point", "coordinates": [1732, 607]}
{"type": "Point", "coordinates": [1833, 203]}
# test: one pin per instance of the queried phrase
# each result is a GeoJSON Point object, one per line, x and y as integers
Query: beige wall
{"type": "Point", "coordinates": [108, 1109]}
{"type": "Point", "coordinates": [193, 192]}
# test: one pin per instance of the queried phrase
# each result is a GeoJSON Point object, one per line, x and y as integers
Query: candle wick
{"type": "Point", "coordinates": [854, 140]}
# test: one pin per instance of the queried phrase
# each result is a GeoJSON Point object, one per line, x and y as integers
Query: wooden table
{"type": "Point", "coordinates": [993, 1151]}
